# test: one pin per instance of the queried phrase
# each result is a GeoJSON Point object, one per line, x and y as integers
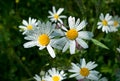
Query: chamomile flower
{"type": "Point", "coordinates": [55, 15]}
{"type": "Point", "coordinates": [116, 24]}
{"type": "Point", "coordinates": [38, 78]}
{"type": "Point", "coordinates": [84, 70]}
{"type": "Point", "coordinates": [74, 35]}
{"type": "Point", "coordinates": [55, 75]}
{"type": "Point", "coordinates": [42, 37]}
{"type": "Point", "coordinates": [28, 26]}
{"type": "Point", "coordinates": [105, 23]}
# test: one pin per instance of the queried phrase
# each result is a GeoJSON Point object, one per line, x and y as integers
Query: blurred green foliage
{"type": "Point", "coordinates": [20, 64]}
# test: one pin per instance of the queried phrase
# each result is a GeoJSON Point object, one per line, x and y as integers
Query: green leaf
{"type": "Point", "coordinates": [106, 69]}
{"type": "Point", "coordinates": [96, 42]}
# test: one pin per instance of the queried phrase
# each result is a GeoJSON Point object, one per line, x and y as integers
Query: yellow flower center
{"type": "Point", "coordinates": [104, 22]}
{"type": "Point", "coordinates": [56, 16]}
{"type": "Point", "coordinates": [17, 1]}
{"type": "Point", "coordinates": [29, 27]}
{"type": "Point", "coordinates": [84, 72]}
{"type": "Point", "coordinates": [115, 23]}
{"type": "Point", "coordinates": [56, 78]}
{"type": "Point", "coordinates": [44, 39]}
{"type": "Point", "coordinates": [72, 34]}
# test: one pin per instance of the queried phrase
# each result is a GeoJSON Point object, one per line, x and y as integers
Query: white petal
{"type": "Point", "coordinates": [60, 21]}
{"type": "Point", "coordinates": [82, 43]}
{"type": "Point", "coordinates": [50, 13]}
{"type": "Point", "coordinates": [72, 47]}
{"type": "Point", "coordinates": [101, 16]}
{"type": "Point", "coordinates": [64, 28]}
{"type": "Point", "coordinates": [83, 62]}
{"type": "Point", "coordinates": [25, 31]}
{"type": "Point", "coordinates": [30, 37]}
{"type": "Point", "coordinates": [37, 78]}
{"type": "Point", "coordinates": [77, 22]}
{"type": "Point", "coordinates": [25, 22]}
{"type": "Point", "coordinates": [71, 21]}
{"type": "Point", "coordinates": [29, 20]}
{"type": "Point", "coordinates": [62, 72]}
{"type": "Point", "coordinates": [50, 16]}
{"type": "Point", "coordinates": [94, 72]}
{"type": "Point", "coordinates": [54, 10]}
{"type": "Point", "coordinates": [100, 26]}
{"type": "Point", "coordinates": [51, 51]}
{"type": "Point", "coordinates": [99, 23]}
{"type": "Point", "coordinates": [30, 44]}
{"type": "Point", "coordinates": [41, 47]}
{"type": "Point", "coordinates": [48, 28]}
{"type": "Point", "coordinates": [108, 17]}
{"type": "Point", "coordinates": [50, 71]}
{"type": "Point", "coordinates": [85, 35]}
{"type": "Point", "coordinates": [118, 49]}
{"type": "Point", "coordinates": [60, 10]}
{"type": "Point", "coordinates": [106, 29]}
{"type": "Point", "coordinates": [33, 22]}
{"type": "Point", "coordinates": [23, 27]}
{"type": "Point", "coordinates": [81, 25]}
{"type": "Point", "coordinates": [91, 65]}
{"type": "Point", "coordinates": [58, 43]}
{"type": "Point", "coordinates": [66, 46]}
{"type": "Point", "coordinates": [58, 32]}
{"type": "Point", "coordinates": [92, 77]}
{"type": "Point", "coordinates": [62, 16]}
{"type": "Point", "coordinates": [80, 77]}
{"type": "Point", "coordinates": [110, 22]}
{"type": "Point", "coordinates": [75, 68]}
{"type": "Point", "coordinates": [73, 75]}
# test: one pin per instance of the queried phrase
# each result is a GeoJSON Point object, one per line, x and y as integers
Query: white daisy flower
{"type": "Point", "coordinates": [105, 23]}
{"type": "Point", "coordinates": [55, 75]}
{"type": "Point", "coordinates": [84, 70]}
{"type": "Point", "coordinates": [55, 15]}
{"type": "Point", "coordinates": [74, 35]}
{"type": "Point", "coordinates": [38, 78]}
{"type": "Point", "coordinates": [42, 38]}
{"type": "Point", "coordinates": [28, 26]}
{"type": "Point", "coordinates": [116, 24]}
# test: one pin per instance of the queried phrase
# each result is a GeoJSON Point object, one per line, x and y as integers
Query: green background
{"type": "Point", "coordinates": [20, 64]}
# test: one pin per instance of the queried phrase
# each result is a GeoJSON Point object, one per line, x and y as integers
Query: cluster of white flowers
{"type": "Point", "coordinates": [82, 72]}
{"type": "Point", "coordinates": [55, 35]}
{"type": "Point", "coordinates": [45, 35]}
{"type": "Point", "coordinates": [109, 23]}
